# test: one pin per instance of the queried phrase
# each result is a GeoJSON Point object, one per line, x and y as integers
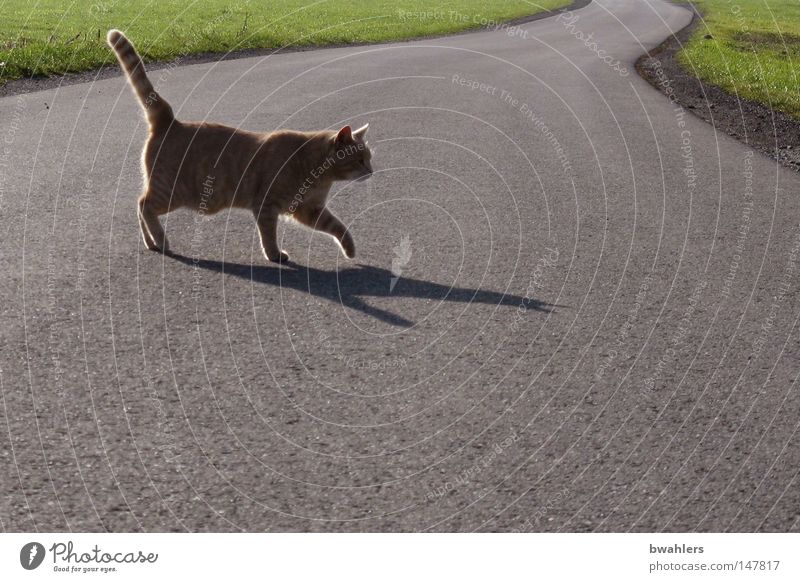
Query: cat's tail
{"type": "Point", "coordinates": [158, 111]}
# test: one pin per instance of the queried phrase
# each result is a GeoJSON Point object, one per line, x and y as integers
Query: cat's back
{"type": "Point", "coordinates": [202, 138]}
{"type": "Point", "coordinates": [206, 135]}
{"type": "Point", "coordinates": [199, 144]}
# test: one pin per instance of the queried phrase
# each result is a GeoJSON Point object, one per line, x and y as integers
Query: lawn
{"type": "Point", "coordinates": [754, 50]}
{"type": "Point", "coordinates": [45, 37]}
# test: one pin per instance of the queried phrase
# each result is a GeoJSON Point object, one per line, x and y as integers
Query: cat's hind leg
{"type": "Point", "coordinates": [150, 208]}
{"type": "Point", "coordinates": [323, 220]}
{"type": "Point", "coordinates": [267, 221]}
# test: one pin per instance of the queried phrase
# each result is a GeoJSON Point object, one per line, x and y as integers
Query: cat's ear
{"type": "Point", "coordinates": [361, 131]}
{"type": "Point", "coordinates": [344, 136]}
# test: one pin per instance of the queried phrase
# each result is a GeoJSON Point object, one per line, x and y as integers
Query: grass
{"type": "Point", "coordinates": [46, 37]}
{"type": "Point", "coordinates": [754, 52]}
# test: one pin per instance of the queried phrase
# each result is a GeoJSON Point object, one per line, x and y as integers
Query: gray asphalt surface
{"type": "Point", "coordinates": [593, 326]}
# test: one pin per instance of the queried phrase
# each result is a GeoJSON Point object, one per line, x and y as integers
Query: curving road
{"type": "Point", "coordinates": [574, 307]}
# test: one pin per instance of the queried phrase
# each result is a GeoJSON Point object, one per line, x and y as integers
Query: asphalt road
{"type": "Point", "coordinates": [593, 325]}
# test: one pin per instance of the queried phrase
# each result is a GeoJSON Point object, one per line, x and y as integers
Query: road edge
{"type": "Point", "coordinates": [771, 132]}
{"type": "Point", "coordinates": [28, 85]}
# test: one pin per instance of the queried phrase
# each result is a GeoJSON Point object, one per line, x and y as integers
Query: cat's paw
{"type": "Point", "coordinates": [162, 247]}
{"type": "Point", "coordinates": [349, 247]}
{"type": "Point", "coordinates": [280, 258]}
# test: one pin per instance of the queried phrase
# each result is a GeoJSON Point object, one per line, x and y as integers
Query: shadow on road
{"type": "Point", "coordinates": [349, 285]}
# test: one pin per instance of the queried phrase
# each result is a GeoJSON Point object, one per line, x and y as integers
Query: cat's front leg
{"type": "Point", "coordinates": [267, 221]}
{"type": "Point", "coordinates": [348, 244]}
{"type": "Point", "coordinates": [323, 220]}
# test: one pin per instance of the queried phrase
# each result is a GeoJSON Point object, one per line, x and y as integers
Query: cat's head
{"type": "Point", "coordinates": [352, 159]}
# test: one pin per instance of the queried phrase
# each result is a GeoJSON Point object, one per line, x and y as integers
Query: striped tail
{"type": "Point", "coordinates": [158, 111]}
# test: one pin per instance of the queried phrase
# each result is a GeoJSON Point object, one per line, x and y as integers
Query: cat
{"type": "Point", "coordinates": [208, 167]}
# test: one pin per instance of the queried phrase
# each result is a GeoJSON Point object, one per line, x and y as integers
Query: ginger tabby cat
{"type": "Point", "coordinates": [209, 167]}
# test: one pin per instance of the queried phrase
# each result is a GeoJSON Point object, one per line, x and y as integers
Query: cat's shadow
{"type": "Point", "coordinates": [350, 285]}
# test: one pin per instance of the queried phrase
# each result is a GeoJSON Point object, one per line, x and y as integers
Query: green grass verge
{"type": "Point", "coordinates": [46, 37]}
{"type": "Point", "coordinates": [754, 52]}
